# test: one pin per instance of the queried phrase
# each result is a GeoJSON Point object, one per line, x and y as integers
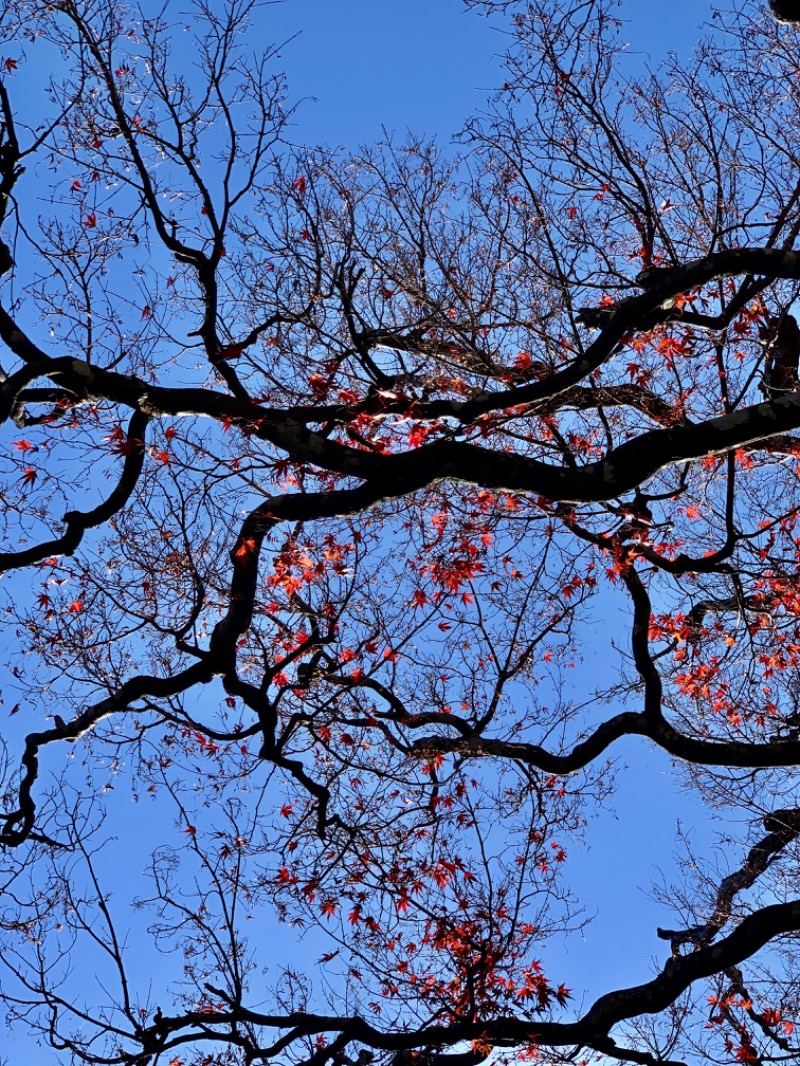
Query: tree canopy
{"type": "Point", "coordinates": [322, 472]}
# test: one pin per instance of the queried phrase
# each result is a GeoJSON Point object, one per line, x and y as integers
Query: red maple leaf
{"type": "Point", "coordinates": [230, 351]}
{"type": "Point", "coordinates": [248, 547]}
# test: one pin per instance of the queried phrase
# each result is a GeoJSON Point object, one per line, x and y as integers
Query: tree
{"type": "Point", "coordinates": [320, 472]}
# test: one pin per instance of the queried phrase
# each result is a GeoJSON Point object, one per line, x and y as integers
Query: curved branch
{"type": "Point", "coordinates": [627, 724]}
{"type": "Point", "coordinates": [623, 468]}
{"type": "Point", "coordinates": [783, 827]}
{"type": "Point", "coordinates": [649, 723]}
{"type": "Point", "coordinates": [220, 660]}
{"type": "Point", "coordinates": [592, 1029]}
{"type": "Point", "coordinates": [17, 825]}
{"type": "Point", "coordinates": [77, 522]}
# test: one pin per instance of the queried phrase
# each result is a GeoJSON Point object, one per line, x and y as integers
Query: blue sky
{"type": "Point", "coordinates": [425, 66]}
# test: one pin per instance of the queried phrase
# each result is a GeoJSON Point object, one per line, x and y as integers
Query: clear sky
{"type": "Point", "coordinates": [423, 65]}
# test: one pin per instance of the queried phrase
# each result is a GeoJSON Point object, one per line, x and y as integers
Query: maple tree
{"type": "Point", "coordinates": [320, 475]}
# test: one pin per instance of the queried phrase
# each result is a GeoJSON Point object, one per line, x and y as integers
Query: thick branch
{"type": "Point", "coordinates": [752, 934]}
{"type": "Point", "coordinates": [784, 827]}
{"type": "Point", "coordinates": [649, 723]}
{"type": "Point", "coordinates": [77, 522]}
{"type": "Point", "coordinates": [623, 468]}
{"type": "Point", "coordinates": [17, 825]}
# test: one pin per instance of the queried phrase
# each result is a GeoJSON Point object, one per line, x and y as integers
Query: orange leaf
{"type": "Point", "coordinates": [248, 546]}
